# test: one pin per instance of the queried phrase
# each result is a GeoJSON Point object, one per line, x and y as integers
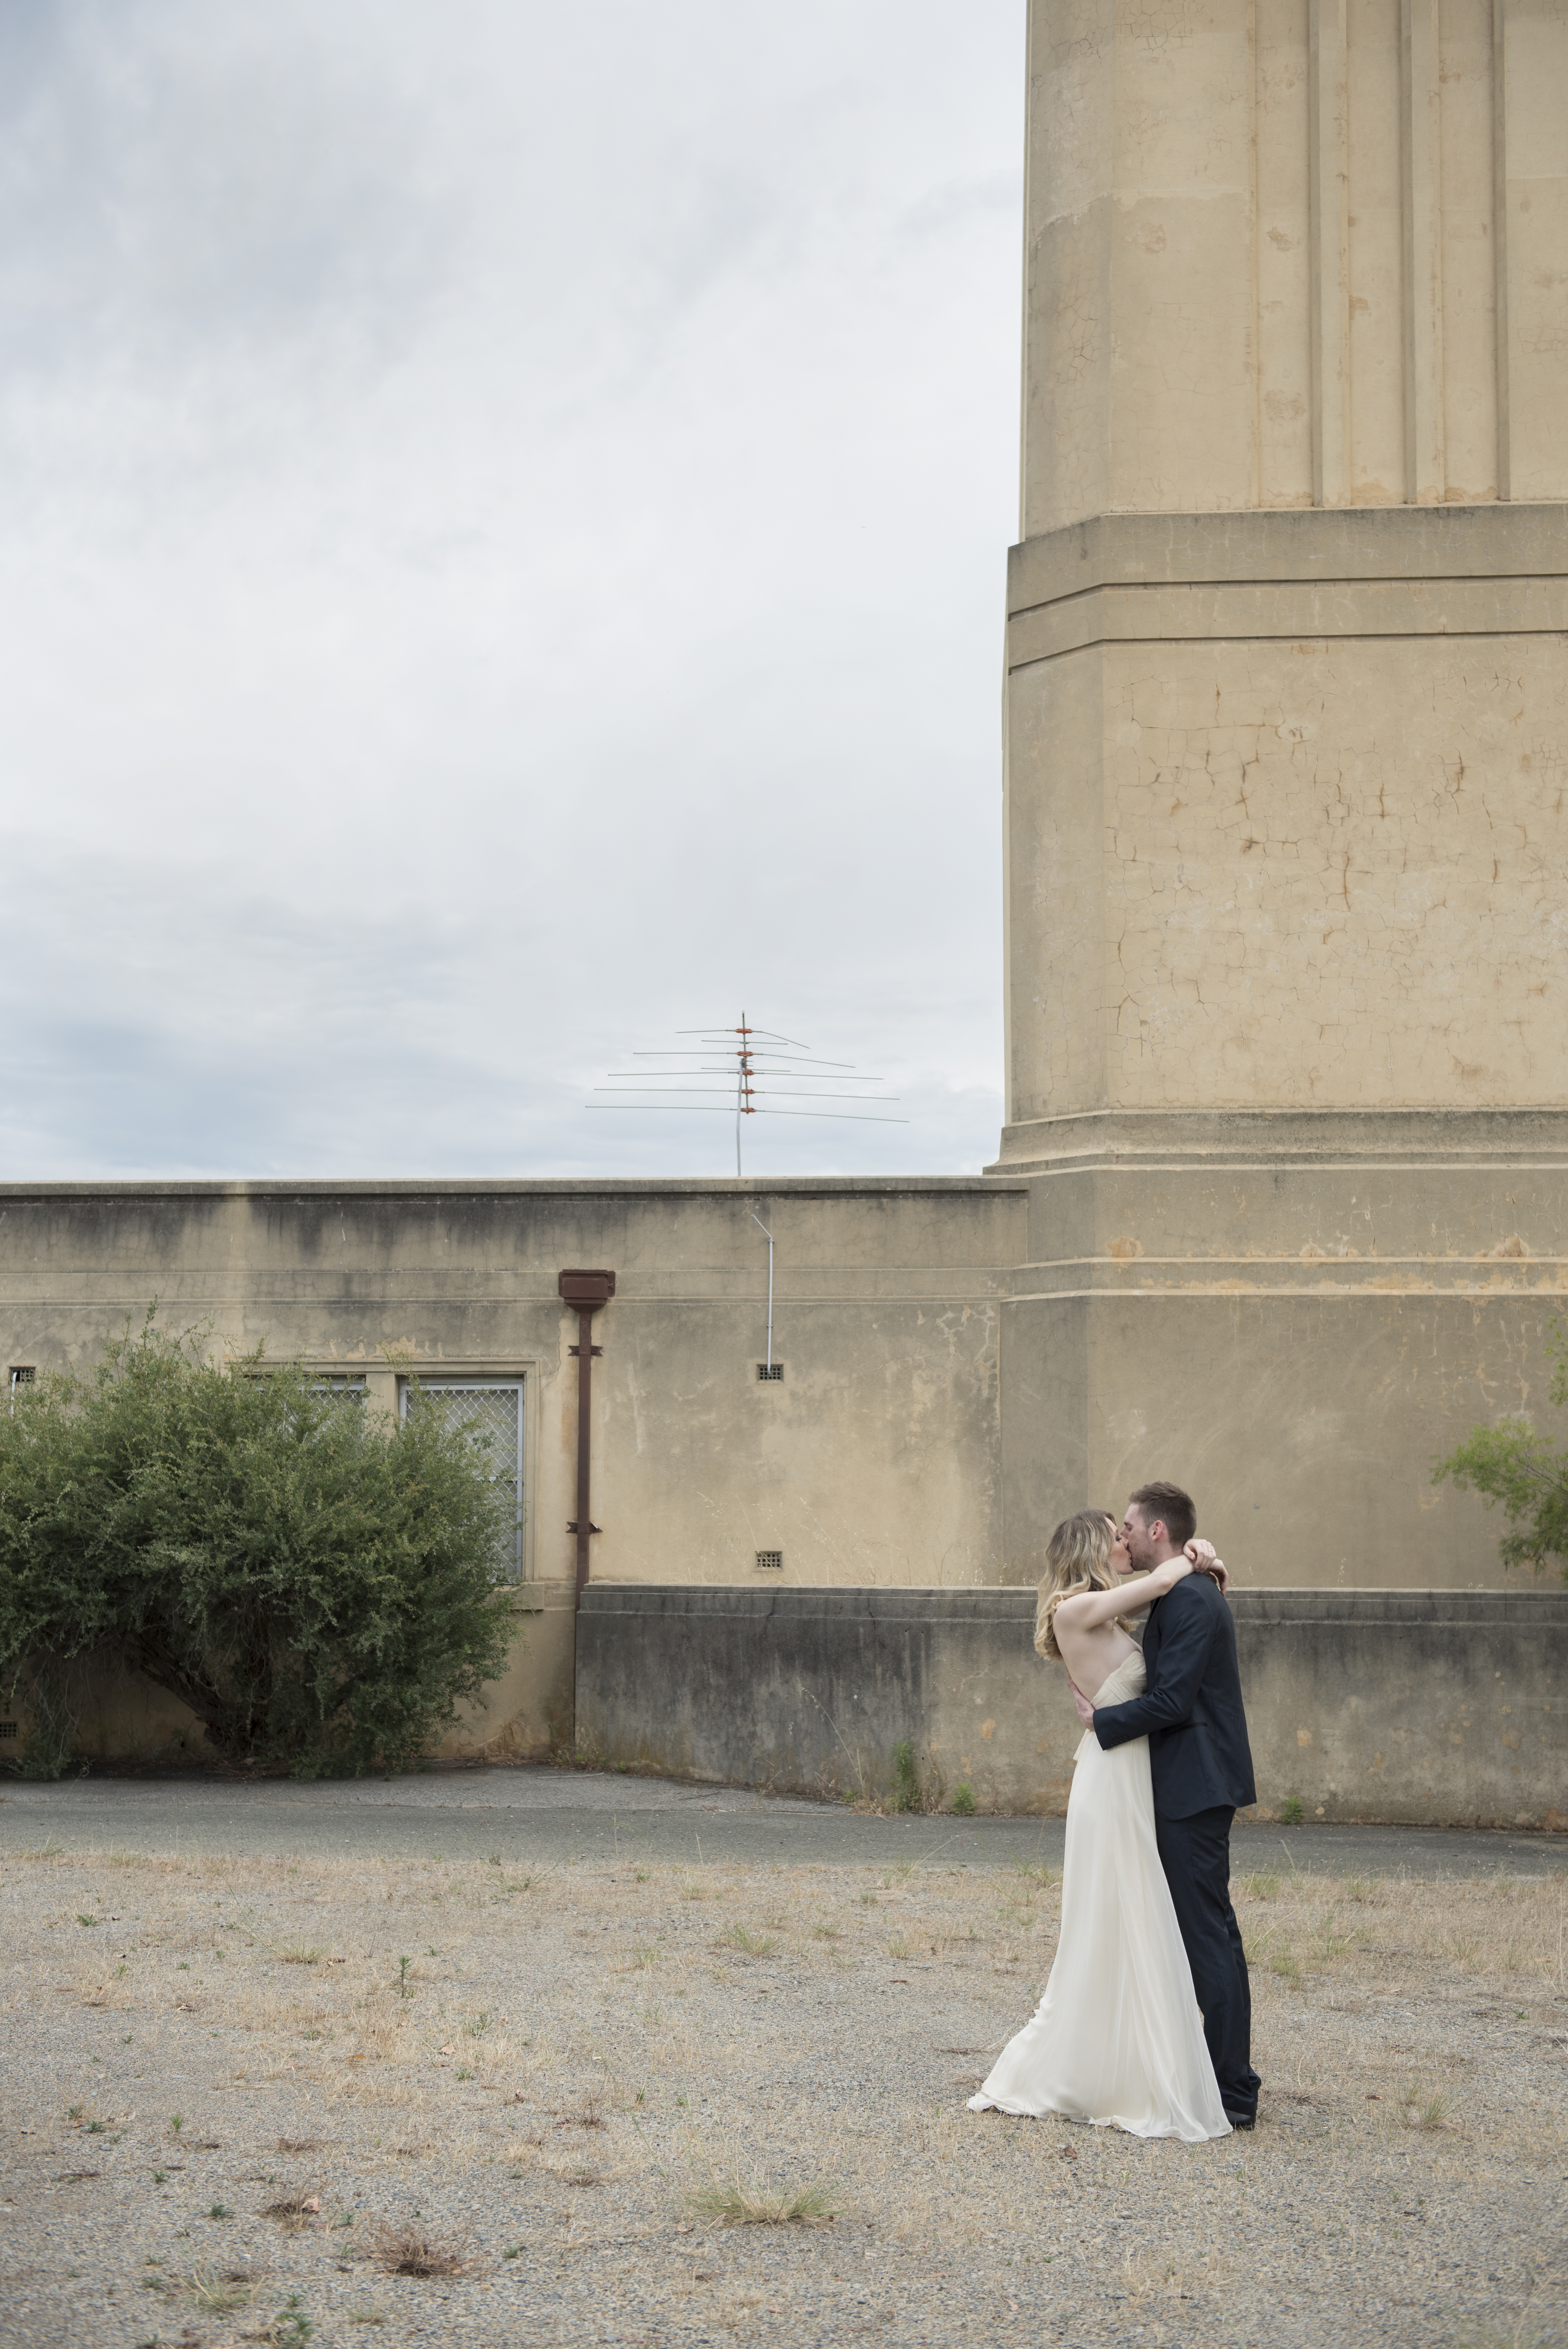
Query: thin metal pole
{"type": "Point", "coordinates": [586, 1352]}
{"type": "Point", "coordinates": [769, 1237]}
{"type": "Point", "coordinates": [586, 1292]}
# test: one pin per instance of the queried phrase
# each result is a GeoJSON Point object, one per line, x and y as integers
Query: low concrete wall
{"type": "Point", "coordinates": [1432, 1706]}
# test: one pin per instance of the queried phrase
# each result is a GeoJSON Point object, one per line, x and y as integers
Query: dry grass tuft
{"type": "Point", "coordinates": [749, 1945]}
{"type": "Point", "coordinates": [219, 2294]}
{"type": "Point", "coordinates": [1424, 2108]}
{"type": "Point", "coordinates": [294, 2211]}
{"type": "Point", "coordinates": [588, 2115]}
{"type": "Point", "coordinates": [737, 2205]}
{"type": "Point", "coordinates": [403, 2252]}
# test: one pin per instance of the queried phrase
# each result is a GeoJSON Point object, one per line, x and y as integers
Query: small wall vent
{"type": "Point", "coordinates": [770, 1561]}
{"type": "Point", "coordinates": [772, 1371]}
{"type": "Point", "coordinates": [8, 1728]}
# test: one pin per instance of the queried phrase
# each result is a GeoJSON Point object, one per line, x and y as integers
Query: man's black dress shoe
{"type": "Point", "coordinates": [1241, 2120]}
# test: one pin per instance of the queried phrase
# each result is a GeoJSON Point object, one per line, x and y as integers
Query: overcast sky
{"type": "Point", "coordinates": [502, 521]}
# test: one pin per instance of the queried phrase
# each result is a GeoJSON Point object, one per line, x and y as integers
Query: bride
{"type": "Point", "coordinates": [1118, 2038]}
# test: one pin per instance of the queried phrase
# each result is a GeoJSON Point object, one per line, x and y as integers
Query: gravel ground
{"type": "Point", "coordinates": [233, 2109]}
{"type": "Point", "coordinates": [533, 1814]}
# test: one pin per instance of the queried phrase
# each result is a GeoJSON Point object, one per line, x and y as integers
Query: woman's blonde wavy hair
{"type": "Point", "coordinates": [1077, 1558]}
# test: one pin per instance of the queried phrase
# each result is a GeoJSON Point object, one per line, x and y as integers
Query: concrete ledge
{"type": "Point", "coordinates": [1308, 545]}
{"type": "Point", "coordinates": [508, 1187]}
{"type": "Point", "coordinates": [1077, 1140]}
{"type": "Point", "coordinates": [1440, 1707]}
{"type": "Point", "coordinates": [1250, 609]}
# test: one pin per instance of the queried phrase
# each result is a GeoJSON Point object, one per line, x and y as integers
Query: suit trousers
{"type": "Point", "coordinates": [1196, 1853]}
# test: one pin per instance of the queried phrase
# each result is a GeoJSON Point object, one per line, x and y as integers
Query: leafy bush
{"type": "Point", "coordinates": [49, 1746]}
{"type": "Point", "coordinates": [317, 1584]}
{"type": "Point", "coordinates": [963, 1799]}
{"type": "Point", "coordinates": [1527, 1473]}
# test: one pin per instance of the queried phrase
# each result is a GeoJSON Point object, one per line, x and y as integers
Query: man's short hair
{"type": "Point", "coordinates": [1171, 1504]}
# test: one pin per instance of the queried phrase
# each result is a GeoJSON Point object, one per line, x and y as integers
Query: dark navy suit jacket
{"type": "Point", "coordinates": [1190, 1709]}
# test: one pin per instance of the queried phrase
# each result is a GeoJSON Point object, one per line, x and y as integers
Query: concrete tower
{"type": "Point", "coordinates": [1287, 765]}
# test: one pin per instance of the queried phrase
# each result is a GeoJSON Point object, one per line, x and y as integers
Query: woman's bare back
{"type": "Point", "coordinates": [1091, 1656]}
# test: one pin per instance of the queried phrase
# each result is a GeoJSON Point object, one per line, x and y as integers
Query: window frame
{"type": "Point", "coordinates": [519, 1382]}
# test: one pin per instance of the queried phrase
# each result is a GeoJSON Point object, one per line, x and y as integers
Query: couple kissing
{"type": "Point", "coordinates": [1146, 2023]}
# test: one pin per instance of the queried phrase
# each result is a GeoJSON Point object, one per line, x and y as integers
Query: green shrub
{"type": "Point", "coordinates": [963, 1799]}
{"type": "Point", "coordinates": [1290, 1811]}
{"type": "Point", "coordinates": [44, 1696]}
{"type": "Point", "coordinates": [317, 1583]}
{"type": "Point", "coordinates": [1527, 1473]}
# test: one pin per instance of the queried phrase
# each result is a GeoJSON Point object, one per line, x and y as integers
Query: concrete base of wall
{"type": "Point", "coordinates": [125, 1721]}
{"type": "Point", "coordinates": [1442, 1708]}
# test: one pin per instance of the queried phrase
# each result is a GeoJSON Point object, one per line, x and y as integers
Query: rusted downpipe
{"type": "Point", "coordinates": [586, 1292]}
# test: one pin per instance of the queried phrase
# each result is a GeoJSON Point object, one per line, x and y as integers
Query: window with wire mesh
{"type": "Point", "coordinates": [23, 1374]}
{"type": "Point", "coordinates": [770, 1561]}
{"type": "Point", "coordinates": [773, 1371]}
{"type": "Point", "coordinates": [492, 1409]}
{"type": "Point", "coordinates": [351, 1390]}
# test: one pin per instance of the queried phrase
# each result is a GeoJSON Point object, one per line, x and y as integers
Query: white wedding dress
{"type": "Point", "coordinates": [1118, 2038]}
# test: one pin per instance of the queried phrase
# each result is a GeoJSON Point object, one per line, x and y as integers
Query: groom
{"type": "Point", "coordinates": [1191, 1712]}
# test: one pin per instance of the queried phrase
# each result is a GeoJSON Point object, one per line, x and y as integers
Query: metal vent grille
{"type": "Point", "coordinates": [23, 1374]}
{"type": "Point", "coordinates": [8, 1728]}
{"type": "Point", "coordinates": [493, 1410]}
{"type": "Point", "coordinates": [770, 1561]}
{"type": "Point", "coordinates": [770, 1370]}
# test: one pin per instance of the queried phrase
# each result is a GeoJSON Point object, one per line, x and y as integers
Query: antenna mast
{"type": "Point", "coordinates": [749, 1061]}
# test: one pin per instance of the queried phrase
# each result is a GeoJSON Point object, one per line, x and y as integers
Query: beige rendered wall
{"type": "Point", "coordinates": [1290, 253]}
{"type": "Point", "coordinates": [1286, 819]}
{"type": "Point", "coordinates": [1287, 816]}
{"type": "Point", "coordinates": [1295, 1327]}
{"type": "Point", "coordinates": [875, 1460]}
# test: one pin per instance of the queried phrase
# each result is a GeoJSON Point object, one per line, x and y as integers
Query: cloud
{"type": "Point", "coordinates": [501, 520]}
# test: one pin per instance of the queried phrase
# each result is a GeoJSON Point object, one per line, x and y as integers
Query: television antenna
{"type": "Point", "coordinates": [749, 1062]}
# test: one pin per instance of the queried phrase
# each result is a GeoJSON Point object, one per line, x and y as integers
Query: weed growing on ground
{"type": "Point", "coordinates": [906, 1790]}
{"type": "Point", "coordinates": [587, 2114]}
{"type": "Point", "coordinates": [294, 2211]}
{"type": "Point", "coordinates": [401, 2251]}
{"type": "Point", "coordinates": [219, 2294]}
{"type": "Point", "coordinates": [1421, 2108]}
{"type": "Point", "coordinates": [734, 2204]}
{"type": "Point", "coordinates": [750, 1945]}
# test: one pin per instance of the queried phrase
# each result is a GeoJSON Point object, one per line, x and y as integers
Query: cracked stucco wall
{"type": "Point", "coordinates": [1327, 873]}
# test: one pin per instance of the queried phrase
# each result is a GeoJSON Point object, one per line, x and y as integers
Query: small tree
{"type": "Point", "coordinates": [1513, 1464]}
{"type": "Point", "coordinates": [318, 1586]}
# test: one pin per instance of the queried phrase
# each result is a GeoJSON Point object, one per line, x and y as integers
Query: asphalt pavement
{"type": "Point", "coordinates": [530, 1817]}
